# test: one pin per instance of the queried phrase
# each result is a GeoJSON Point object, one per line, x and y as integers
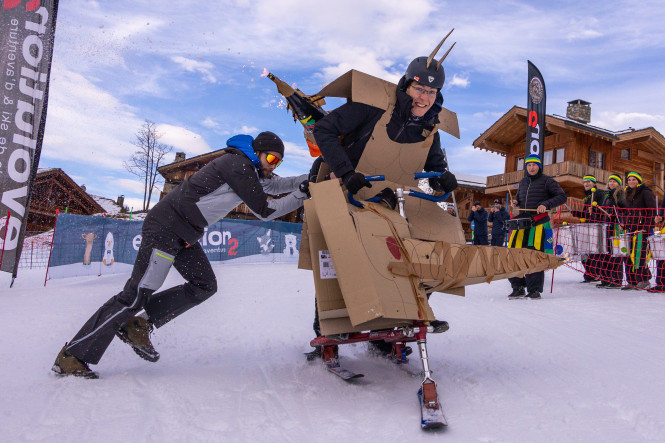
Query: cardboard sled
{"type": "Point", "coordinates": [371, 273]}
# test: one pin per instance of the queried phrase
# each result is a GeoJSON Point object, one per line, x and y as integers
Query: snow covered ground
{"type": "Point", "coordinates": [581, 365]}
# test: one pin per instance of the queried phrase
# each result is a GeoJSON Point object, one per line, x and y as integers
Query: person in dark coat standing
{"type": "Point", "coordinates": [639, 220]}
{"type": "Point", "coordinates": [612, 266]}
{"type": "Point", "coordinates": [478, 216]}
{"type": "Point", "coordinates": [590, 213]}
{"type": "Point", "coordinates": [537, 194]}
{"type": "Point", "coordinates": [170, 238]}
{"type": "Point", "coordinates": [498, 215]}
{"type": "Point", "coordinates": [660, 264]}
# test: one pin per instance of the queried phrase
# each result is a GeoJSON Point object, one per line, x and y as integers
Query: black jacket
{"type": "Point", "coordinates": [479, 219]}
{"type": "Point", "coordinates": [355, 122]}
{"type": "Point", "coordinates": [643, 202]}
{"type": "Point", "coordinates": [536, 190]}
{"type": "Point", "coordinates": [497, 218]}
{"type": "Point", "coordinates": [590, 213]}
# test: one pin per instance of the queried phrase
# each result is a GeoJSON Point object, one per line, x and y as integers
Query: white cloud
{"type": "Point", "coordinates": [200, 67]}
{"type": "Point", "coordinates": [462, 82]}
{"type": "Point", "coordinates": [210, 123]}
{"type": "Point", "coordinates": [182, 139]}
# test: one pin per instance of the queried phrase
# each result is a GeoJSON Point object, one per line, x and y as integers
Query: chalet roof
{"type": "Point", "coordinates": [51, 181]}
{"type": "Point", "coordinates": [194, 163]}
{"type": "Point", "coordinates": [511, 128]}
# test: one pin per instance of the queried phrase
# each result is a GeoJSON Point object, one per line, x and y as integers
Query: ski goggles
{"type": "Point", "coordinates": [273, 160]}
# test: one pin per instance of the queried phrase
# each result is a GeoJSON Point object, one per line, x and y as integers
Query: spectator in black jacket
{"type": "Point", "coordinates": [537, 194]}
{"type": "Point", "coordinates": [170, 235]}
{"type": "Point", "coordinates": [660, 264]}
{"type": "Point", "coordinates": [639, 220]}
{"type": "Point", "coordinates": [590, 213]}
{"type": "Point", "coordinates": [478, 216]}
{"type": "Point", "coordinates": [612, 265]}
{"type": "Point", "coordinates": [498, 215]}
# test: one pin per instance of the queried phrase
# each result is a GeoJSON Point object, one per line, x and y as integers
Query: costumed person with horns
{"type": "Point", "coordinates": [639, 221]}
{"type": "Point", "coordinates": [170, 238]}
{"type": "Point", "coordinates": [590, 213]}
{"type": "Point", "coordinates": [403, 128]}
{"type": "Point", "coordinates": [612, 266]}
{"type": "Point", "coordinates": [537, 194]}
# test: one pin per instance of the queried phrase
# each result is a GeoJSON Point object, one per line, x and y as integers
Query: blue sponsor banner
{"type": "Point", "coordinates": [87, 245]}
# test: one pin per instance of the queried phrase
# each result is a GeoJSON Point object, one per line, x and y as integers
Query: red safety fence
{"type": "Point", "coordinates": [619, 247]}
{"type": "Point", "coordinates": [36, 250]}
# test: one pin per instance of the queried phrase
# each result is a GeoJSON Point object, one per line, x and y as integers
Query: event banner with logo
{"type": "Point", "coordinates": [87, 245]}
{"type": "Point", "coordinates": [535, 113]}
{"type": "Point", "coordinates": [26, 47]}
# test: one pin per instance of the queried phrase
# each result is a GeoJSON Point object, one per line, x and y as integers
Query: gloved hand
{"type": "Point", "coordinates": [304, 188]}
{"type": "Point", "coordinates": [388, 197]}
{"type": "Point", "coordinates": [355, 181]}
{"type": "Point", "coordinates": [445, 183]}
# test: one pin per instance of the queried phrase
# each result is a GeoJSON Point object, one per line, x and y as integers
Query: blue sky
{"type": "Point", "coordinates": [194, 69]}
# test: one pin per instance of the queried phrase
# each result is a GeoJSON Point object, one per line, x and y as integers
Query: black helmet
{"type": "Point", "coordinates": [427, 70]}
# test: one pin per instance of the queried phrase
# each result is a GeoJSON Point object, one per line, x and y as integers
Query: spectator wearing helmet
{"type": "Point", "coordinates": [170, 238]}
{"type": "Point", "coordinates": [498, 215]}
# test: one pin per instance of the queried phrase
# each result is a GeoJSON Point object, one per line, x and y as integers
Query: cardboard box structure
{"type": "Point", "coordinates": [370, 273]}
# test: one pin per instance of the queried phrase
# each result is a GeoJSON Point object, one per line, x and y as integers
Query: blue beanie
{"type": "Point", "coordinates": [533, 158]}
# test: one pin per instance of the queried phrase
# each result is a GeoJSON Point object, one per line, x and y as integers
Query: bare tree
{"type": "Point", "coordinates": [144, 162]}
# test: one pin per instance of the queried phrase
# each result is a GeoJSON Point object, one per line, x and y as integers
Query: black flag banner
{"type": "Point", "coordinates": [535, 113]}
{"type": "Point", "coordinates": [27, 28]}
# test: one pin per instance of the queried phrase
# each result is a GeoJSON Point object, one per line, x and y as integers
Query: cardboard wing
{"type": "Point", "coordinates": [443, 266]}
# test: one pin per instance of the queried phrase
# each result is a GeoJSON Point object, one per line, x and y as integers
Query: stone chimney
{"type": "Point", "coordinates": [579, 110]}
{"type": "Point", "coordinates": [179, 156]}
{"type": "Point", "coordinates": [121, 201]}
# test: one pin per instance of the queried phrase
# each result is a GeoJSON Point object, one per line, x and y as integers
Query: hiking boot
{"type": "Point", "coordinates": [385, 349]}
{"type": "Point", "coordinates": [439, 326]}
{"type": "Point", "coordinates": [316, 353]}
{"type": "Point", "coordinates": [136, 333]}
{"type": "Point", "coordinates": [533, 295]}
{"type": "Point", "coordinates": [644, 285]}
{"type": "Point", "coordinates": [611, 286]}
{"type": "Point", "coordinates": [517, 293]}
{"type": "Point", "coordinates": [66, 364]}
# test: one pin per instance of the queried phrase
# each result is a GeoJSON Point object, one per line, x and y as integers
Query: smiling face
{"type": "Point", "coordinates": [423, 98]}
{"type": "Point", "coordinates": [588, 184]}
{"type": "Point", "coordinates": [612, 184]}
{"type": "Point", "coordinates": [632, 182]}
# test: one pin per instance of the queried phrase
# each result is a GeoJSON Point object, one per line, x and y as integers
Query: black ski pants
{"type": "Point", "coordinates": [532, 282]}
{"type": "Point", "coordinates": [160, 249]}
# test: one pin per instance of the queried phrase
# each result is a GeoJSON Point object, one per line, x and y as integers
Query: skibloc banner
{"type": "Point", "coordinates": [535, 113]}
{"type": "Point", "coordinates": [27, 28]}
{"type": "Point", "coordinates": [88, 245]}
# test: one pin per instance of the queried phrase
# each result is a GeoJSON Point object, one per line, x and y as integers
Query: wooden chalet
{"type": "Point", "coordinates": [54, 190]}
{"type": "Point", "coordinates": [573, 149]}
{"type": "Point", "coordinates": [176, 172]}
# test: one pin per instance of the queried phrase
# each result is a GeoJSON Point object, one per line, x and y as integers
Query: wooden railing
{"type": "Point", "coordinates": [569, 168]}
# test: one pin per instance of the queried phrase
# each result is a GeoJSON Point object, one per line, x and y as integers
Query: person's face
{"type": "Point", "coordinates": [632, 182]}
{"type": "Point", "coordinates": [497, 206]}
{"type": "Point", "coordinates": [588, 184]}
{"type": "Point", "coordinates": [532, 168]}
{"type": "Point", "coordinates": [423, 98]}
{"type": "Point", "coordinates": [266, 167]}
{"type": "Point", "coordinates": [612, 184]}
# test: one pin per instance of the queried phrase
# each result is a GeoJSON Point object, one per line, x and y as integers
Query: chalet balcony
{"type": "Point", "coordinates": [566, 173]}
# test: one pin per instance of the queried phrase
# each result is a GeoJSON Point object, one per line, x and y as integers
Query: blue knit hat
{"type": "Point", "coordinates": [533, 158]}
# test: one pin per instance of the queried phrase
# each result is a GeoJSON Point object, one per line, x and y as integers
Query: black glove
{"type": "Point", "coordinates": [388, 197]}
{"type": "Point", "coordinates": [355, 181]}
{"type": "Point", "coordinates": [445, 183]}
{"type": "Point", "coordinates": [304, 188]}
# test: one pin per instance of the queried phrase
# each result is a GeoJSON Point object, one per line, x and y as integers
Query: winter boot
{"type": "Point", "coordinates": [67, 364]}
{"type": "Point", "coordinates": [535, 295]}
{"type": "Point", "coordinates": [136, 333]}
{"type": "Point", "coordinates": [439, 326]}
{"type": "Point", "coordinates": [517, 293]}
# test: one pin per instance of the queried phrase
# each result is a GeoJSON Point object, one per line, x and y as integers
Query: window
{"type": "Point", "coordinates": [548, 157]}
{"type": "Point", "coordinates": [559, 154]}
{"type": "Point", "coordinates": [520, 164]}
{"type": "Point", "coordinates": [596, 159]}
{"type": "Point", "coordinates": [625, 154]}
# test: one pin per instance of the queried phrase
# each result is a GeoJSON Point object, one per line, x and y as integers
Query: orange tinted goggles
{"type": "Point", "coordinates": [273, 160]}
